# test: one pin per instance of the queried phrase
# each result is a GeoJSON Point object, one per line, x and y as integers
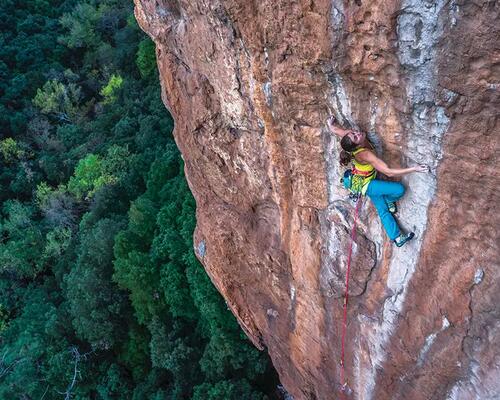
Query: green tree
{"type": "Point", "coordinates": [4, 318]}
{"type": "Point", "coordinates": [228, 390]}
{"type": "Point", "coordinates": [34, 348]}
{"type": "Point", "coordinates": [109, 91]}
{"type": "Point", "coordinates": [89, 177]}
{"type": "Point", "coordinates": [21, 253]}
{"type": "Point", "coordinates": [59, 100]}
{"type": "Point", "coordinates": [10, 150]}
{"type": "Point", "coordinates": [81, 25]}
{"type": "Point", "coordinates": [146, 58]}
{"type": "Point", "coordinates": [95, 303]}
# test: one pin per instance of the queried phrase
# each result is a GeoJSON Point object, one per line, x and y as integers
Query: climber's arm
{"type": "Point", "coordinates": [340, 132]}
{"type": "Point", "coordinates": [370, 158]}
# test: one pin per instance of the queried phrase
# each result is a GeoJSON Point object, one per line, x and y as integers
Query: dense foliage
{"type": "Point", "coordinates": [101, 296]}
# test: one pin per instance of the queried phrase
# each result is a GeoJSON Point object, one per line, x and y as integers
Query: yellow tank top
{"type": "Point", "coordinates": [364, 173]}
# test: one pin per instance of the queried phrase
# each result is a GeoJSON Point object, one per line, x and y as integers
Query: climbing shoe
{"type": "Point", "coordinates": [391, 206]}
{"type": "Point", "coordinates": [403, 238]}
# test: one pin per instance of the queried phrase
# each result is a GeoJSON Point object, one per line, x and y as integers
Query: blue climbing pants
{"type": "Point", "coordinates": [381, 193]}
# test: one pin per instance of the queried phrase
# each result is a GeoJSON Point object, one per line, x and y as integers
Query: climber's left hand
{"type": "Point", "coordinates": [421, 168]}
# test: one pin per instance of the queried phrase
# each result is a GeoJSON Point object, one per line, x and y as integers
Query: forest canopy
{"type": "Point", "coordinates": [101, 295]}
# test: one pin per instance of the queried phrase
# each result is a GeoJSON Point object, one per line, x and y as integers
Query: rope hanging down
{"type": "Point", "coordinates": [346, 296]}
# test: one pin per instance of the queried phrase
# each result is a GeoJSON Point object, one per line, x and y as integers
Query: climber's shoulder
{"type": "Point", "coordinates": [364, 154]}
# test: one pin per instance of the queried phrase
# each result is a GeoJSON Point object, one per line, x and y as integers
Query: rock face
{"type": "Point", "coordinates": [250, 85]}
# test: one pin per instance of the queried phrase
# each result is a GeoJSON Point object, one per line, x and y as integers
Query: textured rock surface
{"type": "Point", "coordinates": [250, 85]}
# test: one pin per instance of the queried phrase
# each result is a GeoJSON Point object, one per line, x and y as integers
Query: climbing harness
{"type": "Point", "coordinates": [345, 388]}
{"type": "Point", "coordinates": [357, 178]}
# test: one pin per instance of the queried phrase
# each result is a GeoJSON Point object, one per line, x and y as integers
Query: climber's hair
{"type": "Point", "coordinates": [348, 147]}
{"type": "Point", "coordinates": [345, 157]}
{"type": "Point", "coordinates": [347, 144]}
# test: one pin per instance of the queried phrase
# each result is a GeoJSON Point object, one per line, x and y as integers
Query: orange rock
{"type": "Point", "coordinates": [250, 85]}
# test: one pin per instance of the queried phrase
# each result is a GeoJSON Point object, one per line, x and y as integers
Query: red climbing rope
{"type": "Point", "coordinates": [346, 295]}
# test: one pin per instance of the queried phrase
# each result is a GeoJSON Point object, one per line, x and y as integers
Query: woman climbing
{"type": "Point", "coordinates": [383, 194]}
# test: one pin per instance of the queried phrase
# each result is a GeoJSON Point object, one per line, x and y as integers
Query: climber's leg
{"type": "Point", "coordinates": [396, 191]}
{"type": "Point", "coordinates": [378, 191]}
{"type": "Point", "coordinates": [392, 191]}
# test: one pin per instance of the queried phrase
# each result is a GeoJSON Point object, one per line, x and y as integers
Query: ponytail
{"type": "Point", "coordinates": [348, 147]}
{"type": "Point", "coordinates": [345, 157]}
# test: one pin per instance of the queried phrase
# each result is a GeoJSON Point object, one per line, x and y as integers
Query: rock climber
{"type": "Point", "coordinates": [383, 194]}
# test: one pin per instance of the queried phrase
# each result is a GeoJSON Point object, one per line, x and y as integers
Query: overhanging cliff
{"type": "Point", "coordinates": [250, 85]}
